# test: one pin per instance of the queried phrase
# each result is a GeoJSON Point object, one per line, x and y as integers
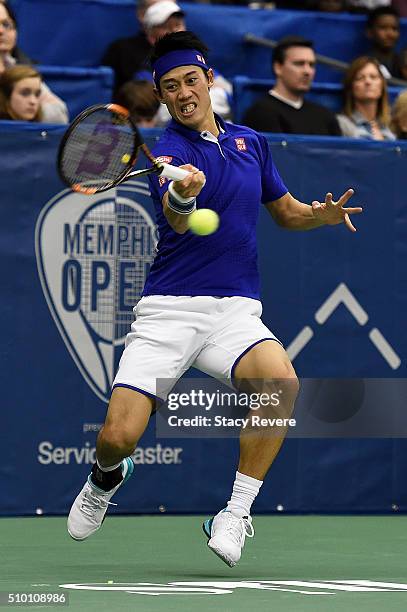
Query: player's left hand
{"type": "Point", "coordinates": [332, 213]}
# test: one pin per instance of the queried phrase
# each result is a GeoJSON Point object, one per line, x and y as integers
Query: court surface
{"type": "Point", "coordinates": [293, 564]}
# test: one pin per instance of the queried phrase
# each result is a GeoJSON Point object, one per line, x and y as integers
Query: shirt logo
{"type": "Point", "coordinates": [240, 144]}
{"type": "Point", "coordinates": [166, 159]}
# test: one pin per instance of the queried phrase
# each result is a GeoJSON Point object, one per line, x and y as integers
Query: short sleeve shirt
{"type": "Point", "coordinates": [240, 175]}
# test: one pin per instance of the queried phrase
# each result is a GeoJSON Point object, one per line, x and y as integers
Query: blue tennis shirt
{"type": "Point", "coordinates": [240, 174]}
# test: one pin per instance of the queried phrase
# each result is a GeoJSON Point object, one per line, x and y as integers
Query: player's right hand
{"type": "Point", "coordinates": [192, 185]}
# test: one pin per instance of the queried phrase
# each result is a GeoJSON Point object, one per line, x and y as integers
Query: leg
{"type": "Point", "coordinates": [265, 369]}
{"type": "Point", "coordinates": [127, 417]}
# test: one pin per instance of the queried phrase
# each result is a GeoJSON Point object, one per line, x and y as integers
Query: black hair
{"type": "Point", "coordinates": [378, 12]}
{"type": "Point", "coordinates": [279, 52]}
{"type": "Point", "coordinates": [176, 41]}
{"type": "Point", "coordinates": [10, 12]}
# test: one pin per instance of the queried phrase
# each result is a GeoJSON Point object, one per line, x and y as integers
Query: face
{"type": "Point", "coordinates": [385, 32]}
{"type": "Point", "coordinates": [185, 91]}
{"type": "Point", "coordinates": [367, 84]}
{"type": "Point", "coordinates": [297, 71]}
{"type": "Point", "coordinates": [8, 34]}
{"type": "Point", "coordinates": [24, 101]}
{"type": "Point", "coordinates": [175, 23]}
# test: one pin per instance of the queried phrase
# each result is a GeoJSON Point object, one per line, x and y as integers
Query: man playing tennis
{"type": "Point", "coordinates": [200, 305]}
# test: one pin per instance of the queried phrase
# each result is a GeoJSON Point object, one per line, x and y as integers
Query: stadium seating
{"type": "Point", "coordinates": [77, 32]}
{"type": "Point", "coordinates": [247, 90]}
{"type": "Point", "coordinates": [79, 87]}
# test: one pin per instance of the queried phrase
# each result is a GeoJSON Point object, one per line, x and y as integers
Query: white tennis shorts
{"type": "Point", "coordinates": [173, 333]}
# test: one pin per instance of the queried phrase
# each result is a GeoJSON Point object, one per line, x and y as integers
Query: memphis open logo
{"type": "Point", "coordinates": [93, 256]}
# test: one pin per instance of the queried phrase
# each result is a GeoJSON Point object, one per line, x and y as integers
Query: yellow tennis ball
{"type": "Point", "coordinates": [126, 158]}
{"type": "Point", "coordinates": [203, 221]}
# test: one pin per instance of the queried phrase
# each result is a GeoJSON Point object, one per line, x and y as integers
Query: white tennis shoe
{"type": "Point", "coordinates": [227, 535]}
{"type": "Point", "coordinates": [89, 508]}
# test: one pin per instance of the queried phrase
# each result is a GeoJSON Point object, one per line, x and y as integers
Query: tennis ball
{"type": "Point", "coordinates": [126, 158]}
{"type": "Point", "coordinates": [203, 221]}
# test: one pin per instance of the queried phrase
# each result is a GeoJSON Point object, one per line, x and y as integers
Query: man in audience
{"type": "Point", "coordinates": [383, 30]}
{"type": "Point", "coordinates": [126, 56]}
{"type": "Point", "coordinates": [284, 109]}
{"type": "Point", "coordinates": [129, 56]}
{"type": "Point", "coordinates": [165, 17]}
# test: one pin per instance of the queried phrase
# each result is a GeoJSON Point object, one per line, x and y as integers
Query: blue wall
{"type": "Point", "coordinates": [55, 370]}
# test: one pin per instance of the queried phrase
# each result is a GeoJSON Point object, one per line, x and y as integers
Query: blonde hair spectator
{"type": "Point", "coordinates": [366, 108]}
{"type": "Point", "coordinates": [20, 94]}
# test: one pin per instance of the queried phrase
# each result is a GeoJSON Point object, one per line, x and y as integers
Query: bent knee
{"type": "Point", "coordinates": [119, 440]}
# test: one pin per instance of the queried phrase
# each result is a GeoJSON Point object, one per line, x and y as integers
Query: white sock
{"type": "Point", "coordinates": [245, 490]}
{"type": "Point", "coordinates": [110, 468]}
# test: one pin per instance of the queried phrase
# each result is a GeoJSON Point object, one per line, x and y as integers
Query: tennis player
{"type": "Point", "coordinates": [201, 305]}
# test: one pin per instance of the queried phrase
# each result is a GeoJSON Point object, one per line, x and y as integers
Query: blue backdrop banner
{"type": "Point", "coordinates": [72, 269]}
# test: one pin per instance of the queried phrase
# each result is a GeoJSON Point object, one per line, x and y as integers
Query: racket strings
{"type": "Point", "coordinates": [99, 150]}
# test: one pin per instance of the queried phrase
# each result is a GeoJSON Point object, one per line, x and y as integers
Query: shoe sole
{"type": "Point", "coordinates": [129, 472]}
{"type": "Point", "coordinates": [207, 528]}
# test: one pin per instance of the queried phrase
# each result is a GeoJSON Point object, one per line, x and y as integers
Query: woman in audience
{"type": "Point", "coordinates": [366, 111]}
{"type": "Point", "coordinates": [20, 94]}
{"type": "Point", "coordinates": [54, 110]}
{"type": "Point", "coordinates": [399, 116]}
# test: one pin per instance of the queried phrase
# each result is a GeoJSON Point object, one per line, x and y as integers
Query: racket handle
{"type": "Point", "coordinates": [173, 172]}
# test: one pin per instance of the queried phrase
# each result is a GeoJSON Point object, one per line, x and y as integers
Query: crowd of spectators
{"type": "Point", "coordinates": [53, 109]}
{"type": "Point", "coordinates": [366, 111]}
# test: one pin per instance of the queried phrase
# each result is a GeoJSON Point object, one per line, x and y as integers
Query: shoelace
{"type": "Point", "coordinates": [92, 503]}
{"type": "Point", "coordinates": [239, 528]}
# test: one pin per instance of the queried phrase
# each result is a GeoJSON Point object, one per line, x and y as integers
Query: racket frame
{"type": "Point", "coordinates": [128, 171]}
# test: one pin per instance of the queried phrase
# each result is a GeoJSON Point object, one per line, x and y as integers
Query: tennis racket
{"type": "Point", "coordinates": [100, 148]}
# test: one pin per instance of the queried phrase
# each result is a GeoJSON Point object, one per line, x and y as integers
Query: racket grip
{"type": "Point", "coordinates": [173, 172]}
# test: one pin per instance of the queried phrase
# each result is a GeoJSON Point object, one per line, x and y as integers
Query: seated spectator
{"type": "Point", "coordinates": [139, 98]}
{"type": "Point", "coordinates": [127, 56]}
{"type": "Point", "coordinates": [399, 116]}
{"type": "Point", "coordinates": [20, 94]}
{"type": "Point", "coordinates": [366, 111]}
{"type": "Point", "coordinates": [284, 108]}
{"type": "Point", "coordinates": [383, 30]}
{"type": "Point", "coordinates": [54, 110]}
{"type": "Point", "coordinates": [164, 17]}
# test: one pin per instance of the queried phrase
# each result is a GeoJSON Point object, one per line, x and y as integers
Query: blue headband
{"type": "Point", "coordinates": [173, 59]}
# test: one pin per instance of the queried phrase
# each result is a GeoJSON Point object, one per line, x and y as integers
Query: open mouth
{"type": "Point", "coordinates": [188, 109]}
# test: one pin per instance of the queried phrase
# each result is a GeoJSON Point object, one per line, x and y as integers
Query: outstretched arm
{"type": "Point", "coordinates": [295, 215]}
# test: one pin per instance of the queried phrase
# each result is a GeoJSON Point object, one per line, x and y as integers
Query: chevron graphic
{"type": "Point", "coordinates": [343, 295]}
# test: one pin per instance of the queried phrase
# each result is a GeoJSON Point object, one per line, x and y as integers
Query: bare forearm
{"type": "Point", "coordinates": [300, 217]}
{"type": "Point", "coordinates": [290, 213]}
